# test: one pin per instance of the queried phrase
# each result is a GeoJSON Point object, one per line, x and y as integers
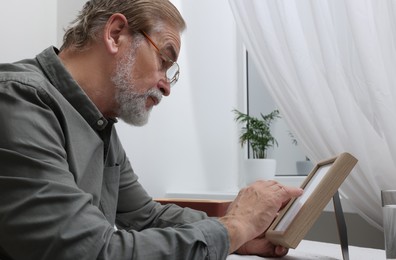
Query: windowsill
{"type": "Point", "coordinates": [294, 181]}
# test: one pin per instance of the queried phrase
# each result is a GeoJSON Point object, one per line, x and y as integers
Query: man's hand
{"type": "Point", "coordinates": [252, 212]}
{"type": "Point", "coordinates": [262, 247]}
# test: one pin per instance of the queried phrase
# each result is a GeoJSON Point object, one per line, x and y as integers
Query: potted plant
{"type": "Point", "coordinates": [256, 133]}
{"type": "Point", "coordinates": [303, 167]}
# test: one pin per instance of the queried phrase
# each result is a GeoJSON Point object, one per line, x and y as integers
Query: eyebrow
{"type": "Point", "coordinates": [170, 49]}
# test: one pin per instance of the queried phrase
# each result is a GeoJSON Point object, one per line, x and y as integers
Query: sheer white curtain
{"type": "Point", "coordinates": [330, 66]}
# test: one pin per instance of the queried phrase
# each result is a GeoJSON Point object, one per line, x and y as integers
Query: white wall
{"type": "Point", "coordinates": [190, 143]}
{"type": "Point", "coordinates": [26, 27]}
{"type": "Point", "coordinates": [67, 11]}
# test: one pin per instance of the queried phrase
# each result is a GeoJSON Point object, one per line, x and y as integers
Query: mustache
{"type": "Point", "coordinates": [154, 93]}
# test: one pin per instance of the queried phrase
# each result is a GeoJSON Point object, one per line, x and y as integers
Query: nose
{"type": "Point", "coordinates": [164, 86]}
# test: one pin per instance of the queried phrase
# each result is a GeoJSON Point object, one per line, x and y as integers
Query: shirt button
{"type": "Point", "coordinates": [100, 122]}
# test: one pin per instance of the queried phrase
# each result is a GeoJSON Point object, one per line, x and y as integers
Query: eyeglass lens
{"type": "Point", "coordinates": [172, 74]}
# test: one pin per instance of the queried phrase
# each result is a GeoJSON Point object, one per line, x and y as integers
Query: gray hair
{"type": "Point", "coordinates": [142, 15]}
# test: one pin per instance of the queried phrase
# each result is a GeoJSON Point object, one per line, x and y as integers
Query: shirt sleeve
{"type": "Point", "coordinates": [43, 211]}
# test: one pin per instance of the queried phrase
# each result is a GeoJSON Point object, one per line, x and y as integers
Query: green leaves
{"type": "Point", "coordinates": [257, 132]}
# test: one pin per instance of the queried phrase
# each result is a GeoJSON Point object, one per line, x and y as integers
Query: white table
{"type": "Point", "coordinates": [310, 250]}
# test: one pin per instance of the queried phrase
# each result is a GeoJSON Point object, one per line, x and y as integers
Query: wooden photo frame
{"type": "Point", "coordinates": [298, 216]}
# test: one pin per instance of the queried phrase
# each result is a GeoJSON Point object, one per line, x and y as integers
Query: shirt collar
{"type": "Point", "coordinates": [68, 87]}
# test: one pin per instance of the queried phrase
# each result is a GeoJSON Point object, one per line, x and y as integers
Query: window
{"type": "Point", "coordinates": [290, 158]}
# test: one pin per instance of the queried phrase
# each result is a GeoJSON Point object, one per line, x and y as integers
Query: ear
{"type": "Point", "coordinates": [115, 29]}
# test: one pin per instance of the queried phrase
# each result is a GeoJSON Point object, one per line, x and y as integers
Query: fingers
{"type": "Point", "coordinates": [287, 191]}
{"type": "Point", "coordinates": [293, 191]}
{"type": "Point", "coordinates": [262, 247]}
{"type": "Point", "coordinates": [280, 191]}
{"type": "Point", "coordinates": [254, 209]}
{"type": "Point", "coordinates": [280, 251]}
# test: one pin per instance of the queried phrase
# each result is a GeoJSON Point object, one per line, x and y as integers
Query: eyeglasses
{"type": "Point", "coordinates": [172, 68]}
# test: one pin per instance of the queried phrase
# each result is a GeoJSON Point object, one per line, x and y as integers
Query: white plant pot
{"type": "Point", "coordinates": [259, 169]}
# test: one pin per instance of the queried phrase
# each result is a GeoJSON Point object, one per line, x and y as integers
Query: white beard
{"type": "Point", "coordinates": [132, 105]}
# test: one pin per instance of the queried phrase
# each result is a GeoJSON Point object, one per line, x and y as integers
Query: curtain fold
{"type": "Point", "coordinates": [330, 67]}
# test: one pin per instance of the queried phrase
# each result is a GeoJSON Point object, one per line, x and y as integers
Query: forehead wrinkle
{"type": "Point", "coordinates": [168, 41]}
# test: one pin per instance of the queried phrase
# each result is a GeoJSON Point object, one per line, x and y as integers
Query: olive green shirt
{"type": "Point", "coordinates": [66, 183]}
